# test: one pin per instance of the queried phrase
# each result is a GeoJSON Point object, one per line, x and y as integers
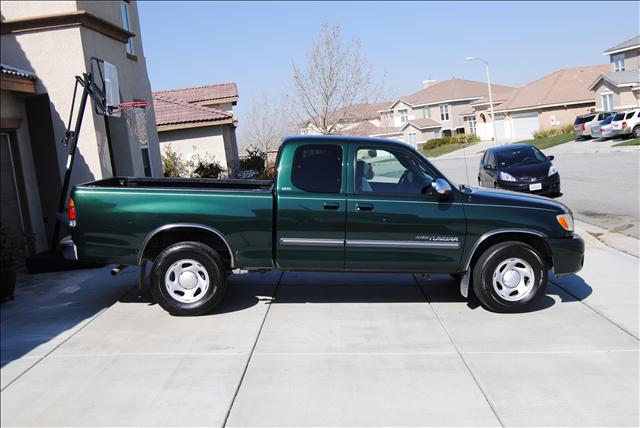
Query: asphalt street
{"type": "Point", "coordinates": [601, 188]}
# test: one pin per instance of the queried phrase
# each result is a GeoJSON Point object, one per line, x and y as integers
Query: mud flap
{"type": "Point", "coordinates": [464, 284]}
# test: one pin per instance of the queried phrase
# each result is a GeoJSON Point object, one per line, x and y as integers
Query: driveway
{"type": "Point", "coordinates": [310, 349]}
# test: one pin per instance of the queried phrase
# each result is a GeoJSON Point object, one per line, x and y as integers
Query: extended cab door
{"type": "Point", "coordinates": [391, 225]}
{"type": "Point", "coordinates": [311, 206]}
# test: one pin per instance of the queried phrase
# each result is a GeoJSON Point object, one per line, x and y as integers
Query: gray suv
{"type": "Point", "coordinates": [583, 123]}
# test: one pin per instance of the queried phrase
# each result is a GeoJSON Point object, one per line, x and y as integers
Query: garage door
{"type": "Point", "coordinates": [500, 129]}
{"type": "Point", "coordinates": [524, 125]}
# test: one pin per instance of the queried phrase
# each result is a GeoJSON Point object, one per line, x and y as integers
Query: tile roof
{"type": "Point", "coordinates": [454, 89]}
{"type": "Point", "coordinates": [627, 44]}
{"type": "Point", "coordinates": [567, 85]}
{"type": "Point", "coordinates": [387, 131]}
{"type": "Point", "coordinates": [618, 78]}
{"type": "Point", "coordinates": [202, 93]}
{"type": "Point", "coordinates": [423, 123]}
{"type": "Point", "coordinates": [15, 71]}
{"type": "Point", "coordinates": [172, 111]}
{"type": "Point", "coordinates": [362, 129]}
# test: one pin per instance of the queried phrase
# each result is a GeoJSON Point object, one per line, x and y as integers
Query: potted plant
{"type": "Point", "coordinates": [8, 260]}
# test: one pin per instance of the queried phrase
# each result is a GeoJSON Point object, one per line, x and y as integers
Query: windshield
{"type": "Point", "coordinates": [519, 156]}
{"type": "Point", "coordinates": [618, 116]}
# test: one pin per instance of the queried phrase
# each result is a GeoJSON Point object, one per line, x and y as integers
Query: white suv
{"type": "Point", "coordinates": [627, 123]}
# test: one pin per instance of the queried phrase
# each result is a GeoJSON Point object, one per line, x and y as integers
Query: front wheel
{"type": "Point", "coordinates": [509, 276]}
{"type": "Point", "coordinates": [187, 279]}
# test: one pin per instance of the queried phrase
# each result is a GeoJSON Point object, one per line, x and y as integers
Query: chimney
{"type": "Point", "coordinates": [427, 83]}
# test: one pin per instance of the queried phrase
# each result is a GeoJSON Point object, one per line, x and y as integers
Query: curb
{"type": "Point", "coordinates": [598, 236]}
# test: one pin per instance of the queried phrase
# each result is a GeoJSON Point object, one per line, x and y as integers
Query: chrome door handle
{"type": "Point", "coordinates": [331, 206]}
{"type": "Point", "coordinates": [364, 207]}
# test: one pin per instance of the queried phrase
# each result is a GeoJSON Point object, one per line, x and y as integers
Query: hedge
{"type": "Point", "coordinates": [455, 139]}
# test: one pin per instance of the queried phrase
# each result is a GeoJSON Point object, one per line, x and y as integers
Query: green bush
{"type": "Point", "coordinates": [461, 139]}
{"type": "Point", "coordinates": [552, 132]}
{"type": "Point", "coordinates": [208, 169]}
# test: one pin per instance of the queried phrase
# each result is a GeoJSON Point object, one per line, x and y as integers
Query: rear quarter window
{"type": "Point", "coordinates": [318, 168]}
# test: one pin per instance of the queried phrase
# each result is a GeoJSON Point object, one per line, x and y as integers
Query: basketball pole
{"type": "Point", "coordinates": [71, 139]}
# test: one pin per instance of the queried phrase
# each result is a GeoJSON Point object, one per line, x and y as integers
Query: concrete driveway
{"type": "Point", "coordinates": [293, 349]}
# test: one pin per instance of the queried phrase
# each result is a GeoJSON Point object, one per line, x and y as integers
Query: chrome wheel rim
{"type": "Point", "coordinates": [186, 281]}
{"type": "Point", "coordinates": [513, 279]}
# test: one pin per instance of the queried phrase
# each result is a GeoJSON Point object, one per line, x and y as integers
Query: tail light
{"type": "Point", "coordinates": [601, 129]}
{"type": "Point", "coordinates": [71, 212]}
{"type": "Point", "coordinates": [624, 124]}
{"type": "Point", "coordinates": [583, 127]}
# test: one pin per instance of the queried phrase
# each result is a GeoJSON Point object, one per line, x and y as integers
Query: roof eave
{"type": "Point", "coordinates": [198, 124]}
{"type": "Point", "coordinates": [620, 50]}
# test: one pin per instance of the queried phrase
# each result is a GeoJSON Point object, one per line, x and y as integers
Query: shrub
{"type": "Point", "coordinates": [461, 139]}
{"type": "Point", "coordinates": [552, 132]}
{"type": "Point", "coordinates": [208, 169]}
{"type": "Point", "coordinates": [172, 163]}
{"type": "Point", "coordinates": [254, 161]}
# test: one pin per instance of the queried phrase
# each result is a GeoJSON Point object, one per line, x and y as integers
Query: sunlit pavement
{"type": "Point", "coordinates": [82, 349]}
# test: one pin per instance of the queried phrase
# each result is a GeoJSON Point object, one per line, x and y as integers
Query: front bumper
{"type": "Point", "coordinates": [69, 249]}
{"type": "Point", "coordinates": [568, 254]}
{"type": "Point", "coordinates": [550, 185]}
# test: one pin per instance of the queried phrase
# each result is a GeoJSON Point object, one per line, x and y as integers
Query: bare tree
{"type": "Point", "coordinates": [265, 125]}
{"type": "Point", "coordinates": [335, 78]}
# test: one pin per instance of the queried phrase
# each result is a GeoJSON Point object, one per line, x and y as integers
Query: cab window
{"type": "Point", "coordinates": [390, 171]}
{"type": "Point", "coordinates": [318, 168]}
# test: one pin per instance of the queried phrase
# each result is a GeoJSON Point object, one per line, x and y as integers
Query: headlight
{"type": "Point", "coordinates": [505, 176]}
{"type": "Point", "coordinates": [552, 170]}
{"type": "Point", "coordinates": [566, 221]}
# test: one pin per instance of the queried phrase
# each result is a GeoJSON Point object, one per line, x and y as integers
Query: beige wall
{"type": "Point", "coordinates": [202, 141]}
{"type": "Point", "coordinates": [12, 106]}
{"type": "Point", "coordinates": [563, 116]}
{"type": "Point", "coordinates": [623, 98]}
{"type": "Point", "coordinates": [631, 60]}
{"type": "Point", "coordinates": [56, 56]}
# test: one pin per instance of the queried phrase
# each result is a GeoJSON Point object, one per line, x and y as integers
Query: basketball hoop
{"type": "Point", "coordinates": [136, 114]}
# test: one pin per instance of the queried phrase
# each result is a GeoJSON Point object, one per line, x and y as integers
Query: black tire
{"type": "Point", "coordinates": [206, 259]}
{"type": "Point", "coordinates": [636, 131]}
{"type": "Point", "coordinates": [491, 260]}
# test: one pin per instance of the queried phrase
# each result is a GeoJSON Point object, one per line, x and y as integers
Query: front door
{"type": "Point", "coordinates": [391, 224]}
{"type": "Point", "coordinates": [311, 208]}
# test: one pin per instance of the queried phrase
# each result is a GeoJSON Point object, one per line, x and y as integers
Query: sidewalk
{"type": "Point", "coordinates": [319, 349]}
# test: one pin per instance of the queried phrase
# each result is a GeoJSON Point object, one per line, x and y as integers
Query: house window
{"type": "Point", "coordinates": [607, 102]}
{"type": "Point", "coordinates": [412, 138]}
{"type": "Point", "coordinates": [444, 112]}
{"type": "Point", "coordinates": [388, 115]}
{"type": "Point", "coordinates": [472, 124]}
{"type": "Point", "coordinates": [437, 134]}
{"type": "Point", "coordinates": [618, 62]}
{"type": "Point", "coordinates": [403, 115]}
{"type": "Point", "coordinates": [146, 162]}
{"type": "Point", "coordinates": [126, 24]}
{"type": "Point", "coordinates": [426, 112]}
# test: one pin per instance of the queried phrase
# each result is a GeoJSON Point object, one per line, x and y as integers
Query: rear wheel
{"type": "Point", "coordinates": [509, 276]}
{"type": "Point", "coordinates": [188, 279]}
{"type": "Point", "coordinates": [636, 131]}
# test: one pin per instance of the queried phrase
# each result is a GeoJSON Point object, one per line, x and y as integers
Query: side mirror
{"type": "Point", "coordinates": [488, 167]}
{"type": "Point", "coordinates": [552, 157]}
{"type": "Point", "coordinates": [441, 188]}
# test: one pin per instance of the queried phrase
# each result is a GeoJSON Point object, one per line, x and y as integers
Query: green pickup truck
{"type": "Point", "coordinates": [336, 204]}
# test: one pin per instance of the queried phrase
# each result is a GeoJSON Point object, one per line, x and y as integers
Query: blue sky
{"type": "Point", "coordinates": [253, 43]}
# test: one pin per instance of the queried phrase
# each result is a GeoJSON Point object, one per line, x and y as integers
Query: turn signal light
{"type": "Point", "coordinates": [71, 211]}
{"type": "Point", "coordinates": [566, 221]}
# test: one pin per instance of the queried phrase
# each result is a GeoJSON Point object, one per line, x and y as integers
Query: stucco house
{"type": "Point", "coordinates": [199, 121]}
{"type": "Point", "coordinates": [619, 87]}
{"type": "Point", "coordinates": [438, 109]}
{"type": "Point", "coordinates": [44, 45]}
{"type": "Point", "coordinates": [357, 119]}
{"type": "Point", "coordinates": [549, 102]}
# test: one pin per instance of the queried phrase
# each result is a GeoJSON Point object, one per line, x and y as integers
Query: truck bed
{"type": "Point", "coordinates": [176, 183]}
{"type": "Point", "coordinates": [116, 215]}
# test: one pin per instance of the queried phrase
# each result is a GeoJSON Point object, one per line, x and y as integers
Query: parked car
{"type": "Point", "coordinates": [604, 129]}
{"type": "Point", "coordinates": [600, 117]}
{"type": "Point", "coordinates": [337, 204]}
{"type": "Point", "coordinates": [627, 123]}
{"type": "Point", "coordinates": [521, 168]}
{"type": "Point", "coordinates": [582, 124]}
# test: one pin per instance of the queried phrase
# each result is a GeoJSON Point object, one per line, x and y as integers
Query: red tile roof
{"type": "Point", "coordinates": [454, 89]}
{"type": "Point", "coordinates": [423, 123]}
{"type": "Point", "coordinates": [202, 93]}
{"type": "Point", "coordinates": [172, 111]}
{"type": "Point", "coordinates": [362, 129]}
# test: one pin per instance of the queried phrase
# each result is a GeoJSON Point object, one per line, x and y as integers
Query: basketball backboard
{"type": "Point", "coordinates": [105, 85]}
